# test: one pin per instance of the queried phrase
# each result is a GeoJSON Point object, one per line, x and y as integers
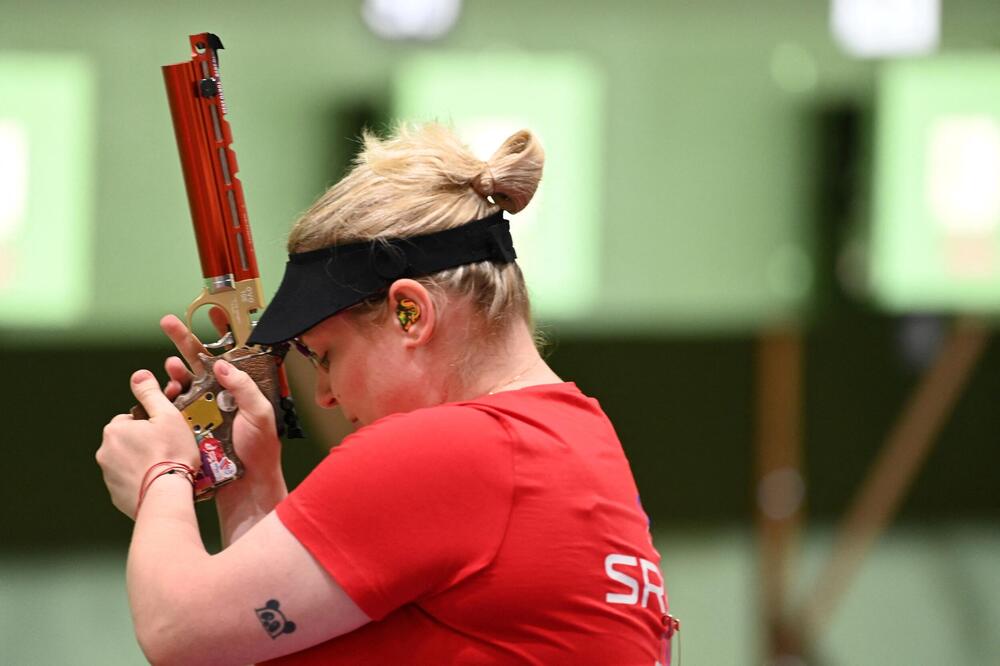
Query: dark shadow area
{"type": "Point", "coordinates": [347, 122]}
{"type": "Point", "coordinates": [682, 407]}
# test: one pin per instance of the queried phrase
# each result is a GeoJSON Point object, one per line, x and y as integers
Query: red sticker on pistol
{"type": "Point", "coordinates": [216, 467]}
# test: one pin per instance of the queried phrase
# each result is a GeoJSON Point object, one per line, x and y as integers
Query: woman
{"type": "Point", "coordinates": [483, 511]}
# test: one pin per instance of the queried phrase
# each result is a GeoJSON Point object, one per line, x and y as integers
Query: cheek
{"type": "Point", "coordinates": [378, 378]}
{"type": "Point", "coordinates": [354, 380]}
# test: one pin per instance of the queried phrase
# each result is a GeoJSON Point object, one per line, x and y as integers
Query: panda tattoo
{"type": "Point", "coordinates": [273, 620]}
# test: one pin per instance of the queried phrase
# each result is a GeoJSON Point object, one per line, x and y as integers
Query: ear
{"type": "Point", "coordinates": [420, 328]}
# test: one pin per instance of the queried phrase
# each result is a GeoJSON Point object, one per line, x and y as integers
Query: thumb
{"type": "Point", "coordinates": [247, 394]}
{"type": "Point", "coordinates": [147, 391]}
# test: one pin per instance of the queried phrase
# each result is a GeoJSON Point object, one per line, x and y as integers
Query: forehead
{"type": "Point", "coordinates": [323, 332]}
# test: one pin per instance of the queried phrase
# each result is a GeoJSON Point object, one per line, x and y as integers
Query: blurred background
{"type": "Point", "coordinates": [767, 240]}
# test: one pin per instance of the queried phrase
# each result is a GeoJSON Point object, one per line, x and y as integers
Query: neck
{"type": "Point", "coordinates": [509, 363]}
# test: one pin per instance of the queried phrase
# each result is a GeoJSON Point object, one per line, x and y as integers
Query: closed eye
{"type": "Point", "coordinates": [317, 361]}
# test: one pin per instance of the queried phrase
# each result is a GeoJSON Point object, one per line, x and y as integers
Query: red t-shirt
{"type": "Point", "coordinates": [506, 529]}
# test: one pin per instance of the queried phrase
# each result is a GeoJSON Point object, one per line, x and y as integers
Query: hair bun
{"type": "Point", "coordinates": [484, 184]}
{"type": "Point", "coordinates": [511, 176]}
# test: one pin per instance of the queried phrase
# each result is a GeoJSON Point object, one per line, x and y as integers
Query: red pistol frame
{"type": "Point", "coordinates": [215, 194]}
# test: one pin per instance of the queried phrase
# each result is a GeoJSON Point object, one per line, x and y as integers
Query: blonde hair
{"type": "Point", "coordinates": [424, 179]}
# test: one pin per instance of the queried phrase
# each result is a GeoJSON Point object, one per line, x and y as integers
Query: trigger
{"type": "Point", "coordinates": [225, 341]}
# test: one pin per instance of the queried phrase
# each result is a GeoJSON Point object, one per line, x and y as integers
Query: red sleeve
{"type": "Point", "coordinates": [407, 506]}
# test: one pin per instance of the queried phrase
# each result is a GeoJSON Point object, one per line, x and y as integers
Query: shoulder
{"type": "Point", "coordinates": [446, 445]}
{"type": "Point", "coordinates": [450, 429]}
{"type": "Point", "coordinates": [564, 397]}
{"type": "Point", "coordinates": [449, 419]}
{"type": "Point", "coordinates": [561, 410]}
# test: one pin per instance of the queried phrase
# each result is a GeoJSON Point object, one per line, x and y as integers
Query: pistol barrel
{"type": "Point", "coordinates": [204, 141]}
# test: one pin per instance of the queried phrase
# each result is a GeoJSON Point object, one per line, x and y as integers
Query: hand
{"type": "Point", "coordinates": [130, 447]}
{"type": "Point", "coordinates": [242, 504]}
{"type": "Point", "coordinates": [254, 431]}
{"type": "Point", "coordinates": [255, 435]}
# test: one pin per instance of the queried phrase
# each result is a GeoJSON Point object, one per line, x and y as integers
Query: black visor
{"type": "Point", "coordinates": [320, 283]}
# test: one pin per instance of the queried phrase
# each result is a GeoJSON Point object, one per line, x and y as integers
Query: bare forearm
{"type": "Point", "coordinates": [166, 547]}
{"type": "Point", "coordinates": [242, 504]}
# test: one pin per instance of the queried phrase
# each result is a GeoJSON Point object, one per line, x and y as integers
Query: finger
{"type": "Point", "coordinates": [121, 417]}
{"type": "Point", "coordinates": [172, 390]}
{"type": "Point", "coordinates": [177, 371]}
{"type": "Point", "coordinates": [178, 377]}
{"type": "Point", "coordinates": [219, 320]}
{"type": "Point", "coordinates": [255, 407]}
{"type": "Point", "coordinates": [147, 391]}
{"type": "Point", "coordinates": [186, 342]}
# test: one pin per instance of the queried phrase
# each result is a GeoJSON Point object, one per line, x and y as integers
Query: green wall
{"type": "Point", "coordinates": [710, 139]}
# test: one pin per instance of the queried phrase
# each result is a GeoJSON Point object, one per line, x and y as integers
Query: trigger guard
{"type": "Point", "coordinates": [227, 340]}
{"type": "Point", "coordinates": [196, 305]}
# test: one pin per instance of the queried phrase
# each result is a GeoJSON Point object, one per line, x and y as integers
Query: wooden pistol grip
{"type": "Point", "coordinates": [210, 411]}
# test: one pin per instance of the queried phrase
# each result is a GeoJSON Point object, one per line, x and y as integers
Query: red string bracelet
{"type": "Point", "coordinates": [159, 469]}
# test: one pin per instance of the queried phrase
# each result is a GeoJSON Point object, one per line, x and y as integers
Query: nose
{"type": "Point", "coordinates": [324, 396]}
